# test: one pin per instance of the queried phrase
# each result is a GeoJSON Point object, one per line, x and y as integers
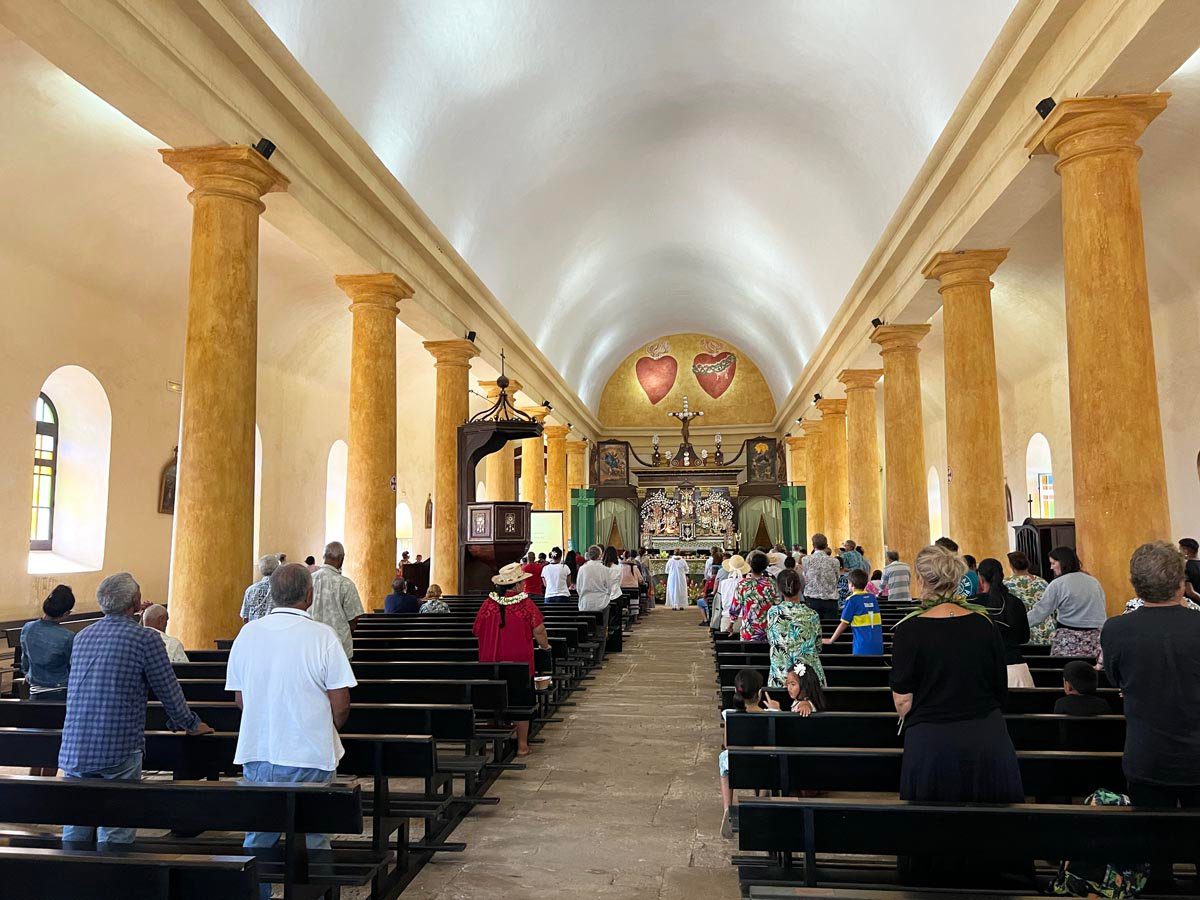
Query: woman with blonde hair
{"type": "Point", "coordinates": [949, 682]}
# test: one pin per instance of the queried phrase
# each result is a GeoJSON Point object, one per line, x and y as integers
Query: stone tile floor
{"type": "Point", "coordinates": [622, 799]}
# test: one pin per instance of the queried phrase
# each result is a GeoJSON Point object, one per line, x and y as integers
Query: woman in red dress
{"type": "Point", "coordinates": [507, 627]}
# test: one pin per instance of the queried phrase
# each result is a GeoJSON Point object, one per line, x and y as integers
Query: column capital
{"type": "Point", "coordinates": [813, 427]}
{"type": "Point", "coordinates": [576, 448]}
{"type": "Point", "coordinates": [456, 354]}
{"type": "Point", "coordinates": [556, 431]}
{"type": "Point", "coordinates": [831, 408]}
{"type": "Point", "coordinates": [1085, 126]}
{"type": "Point", "coordinates": [955, 268]}
{"type": "Point", "coordinates": [238, 172]}
{"type": "Point", "coordinates": [860, 379]}
{"type": "Point", "coordinates": [492, 389]}
{"type": "Point", "coordinates": [380, 291]}
{"type": "Point", "coordinates": [899, 337]}
{"type": "Point", "coordinates": [538, 413]}
{"type": "Point", "coordinates": [797, 441]}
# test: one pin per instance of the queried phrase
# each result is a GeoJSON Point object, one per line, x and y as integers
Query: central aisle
{"type": "Point", "coordinates": [622, 798]}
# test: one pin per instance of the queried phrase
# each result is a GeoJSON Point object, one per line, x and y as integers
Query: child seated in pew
{"type": "Point", "coordinates": [804, 687]}
{"type": "Point", "coordinates": [1080, 681]}
{"type": "Point", "coordinates": [749, 695]}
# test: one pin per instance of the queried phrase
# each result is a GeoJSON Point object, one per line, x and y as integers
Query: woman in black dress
{"type": "Point", "coordinates": [949, 682]}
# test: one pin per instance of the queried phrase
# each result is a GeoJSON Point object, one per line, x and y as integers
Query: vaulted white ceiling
{"type": "Point", "coordinates": [616, 170]}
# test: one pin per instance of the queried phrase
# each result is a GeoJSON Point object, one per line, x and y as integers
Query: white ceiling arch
{"type": "Point", "coordinates": [619, 169]}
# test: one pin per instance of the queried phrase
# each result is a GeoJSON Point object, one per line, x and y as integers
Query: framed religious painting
{"type": "Point", "coordinates": [762, 460]}
{"type": "Point", "coordinates": [611, 462]}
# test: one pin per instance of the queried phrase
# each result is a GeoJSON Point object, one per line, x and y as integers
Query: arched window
{"type": "Point", "coordinates": [335, 492]}
{"type": "Point", "coordinates": [481, 491]}
{"type": "Point", "coordinates": [1039, 477]}
{"type": "Point", "coordinates": [933, 485]}
{"type": "Point", "coordinates": [45, 474]}
{"type": "Point", "coordinates": [69, 510]}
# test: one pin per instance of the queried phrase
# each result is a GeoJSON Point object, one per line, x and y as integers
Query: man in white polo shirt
{"type": "Point", "coordinates": [292, 681]}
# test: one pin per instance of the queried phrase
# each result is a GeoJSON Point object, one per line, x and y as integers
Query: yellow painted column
{"type": "Point", "coordinates": [370, 494]}
{"type": "Point", "coordinates": [500, 468]}
{"type": "Point", "coordinates": [533, 463]}
{"type": "Point", "coordinates": [557, 496]}
{"type": "Point", "coordinates": [904, 472]}
{"type": "Point", "coordinates": [837, 471]}
{"type": "Point", "coordinates": [797, 449]}
{"type": "Point", "coordinates": [1116, 433]}
{"type": "Point", "coordinates": [453, 363]}
{"type": "Point", "coordinates": [862, 443]}
{"type": "Point", "coordinates": [814, 488]}
{"type": "Point", "coordinates": [213, 548]}
{"type": "Point", "coordinates": [576, 478]}
{"type": "Point", "coordinates": [974, 454]}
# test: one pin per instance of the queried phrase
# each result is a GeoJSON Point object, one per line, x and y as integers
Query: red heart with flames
{"type": "Point", "coordinates": [714, 369]}
{"type": "Point", "coordinates": [656, 372]}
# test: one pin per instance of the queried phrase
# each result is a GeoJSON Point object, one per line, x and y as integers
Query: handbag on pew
{"type": "Point", "coordinates": [1089, 878]}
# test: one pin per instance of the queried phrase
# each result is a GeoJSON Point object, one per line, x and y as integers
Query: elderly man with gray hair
{"type": "Point", "coordinates": [335, 598]}
{"type": "Point", "coordinates": [113, 662]}
{"type": "Point", "coordinates": [256, 602]}
{"type": "Point", "coordinates": [155, 617]}
{"type": "Point", "coordinates": [292, 681]}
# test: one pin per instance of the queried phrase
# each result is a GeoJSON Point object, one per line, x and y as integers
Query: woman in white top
{"type": "Point", "coordinates": [556, 576]}
{"type": "Point", "coordinates": [736, 566]}
{"type": "Point", "coordinates": [677, 581]}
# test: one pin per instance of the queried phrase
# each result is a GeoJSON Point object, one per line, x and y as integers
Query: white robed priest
{"type": "Point", "coordinates": [677, 582]}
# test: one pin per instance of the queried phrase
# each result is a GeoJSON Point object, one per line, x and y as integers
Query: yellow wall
{"type": "Point", "coordinates": [626, 403]}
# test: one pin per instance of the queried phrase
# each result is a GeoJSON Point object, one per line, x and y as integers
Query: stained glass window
{"type": "Point", "coordinates": [45, 470]}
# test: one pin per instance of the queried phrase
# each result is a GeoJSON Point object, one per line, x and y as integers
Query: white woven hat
{"type": "Point", "coordinates": [510, 574]}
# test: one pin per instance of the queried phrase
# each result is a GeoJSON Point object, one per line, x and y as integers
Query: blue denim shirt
{"type": "Point", "coordinates": [46, 653]}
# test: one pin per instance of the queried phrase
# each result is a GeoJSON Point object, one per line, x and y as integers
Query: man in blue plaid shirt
{"type": "Point", "coordinates": [113, 662]}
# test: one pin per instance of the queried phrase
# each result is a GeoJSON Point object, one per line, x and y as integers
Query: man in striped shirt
{"type": "Point", "coordinates": [896, 579]}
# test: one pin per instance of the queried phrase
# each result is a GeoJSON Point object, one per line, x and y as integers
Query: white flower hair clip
{"type": "Point", "coordinates": [800, 669]}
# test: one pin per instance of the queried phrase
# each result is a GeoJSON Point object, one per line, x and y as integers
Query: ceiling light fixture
{"type": "Point", "coordinates": [1045, 107]}
{"type": "Point", "coordinates": [264, 148]}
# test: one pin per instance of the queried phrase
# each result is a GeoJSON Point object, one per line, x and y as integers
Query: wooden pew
{"type": "Point", "coordinates": [895, 828]}
{"type": "Point", "coordinates": [879, 699]}
{"type": "Point", "coordinates": [378, 757]}
{"type": "Point", "coordinates": [879, 729]}
{"type": "Point", "coordinates": [1045, 773]}
{"type": "Point", "coordinates": [50, 874]}
{"type": "Point", "coordinates": [184, 806]}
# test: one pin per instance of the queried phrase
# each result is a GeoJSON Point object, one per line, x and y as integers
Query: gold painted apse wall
{"type": "Point", "coordinates": [715, 376]}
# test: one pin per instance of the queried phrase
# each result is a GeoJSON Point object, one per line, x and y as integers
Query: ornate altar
{"type": "Point", "coordinates": [687, 515]}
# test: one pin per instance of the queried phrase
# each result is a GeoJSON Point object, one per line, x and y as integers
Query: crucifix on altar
{"type": "Point", "coordinates": [686, 454]}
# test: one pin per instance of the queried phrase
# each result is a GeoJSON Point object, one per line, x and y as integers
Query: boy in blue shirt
{"type": "Point", "coordinates": [861, 615]}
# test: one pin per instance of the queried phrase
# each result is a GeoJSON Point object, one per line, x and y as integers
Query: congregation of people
{"type": "Point", "coordinates": [957, 651]}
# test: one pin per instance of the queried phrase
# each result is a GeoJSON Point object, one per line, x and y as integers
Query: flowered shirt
{"type": "Point", "coordinates": [753, 599]}
{"type": "Point", "coordinates": [794, 631]}
{"type": "Point", "coordinates": [436, 605]}
{"type": "Point", "coordinates": [1029, 589]}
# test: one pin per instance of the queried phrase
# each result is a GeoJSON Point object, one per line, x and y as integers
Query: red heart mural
{"type": "Point", "coordinates": [714, 372]}
{"type": "Point", "coordinates": [656, 376]}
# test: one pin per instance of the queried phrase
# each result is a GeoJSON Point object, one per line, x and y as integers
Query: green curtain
{"type": "Point", "coordinates": [624, 515]}
{"type": "Point", "coordinates": [754, 510]}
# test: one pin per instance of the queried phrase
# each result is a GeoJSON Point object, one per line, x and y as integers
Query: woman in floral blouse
{"type": "Point", "coordinates": [794, 631]}
{"type": "Point", "coordinates": [755, 595]}
{"type": "Point", "coordinates": [1028, 588]}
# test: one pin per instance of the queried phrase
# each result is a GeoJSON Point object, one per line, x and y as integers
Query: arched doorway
{"type": "Point", "coordinates": [1039, 477]}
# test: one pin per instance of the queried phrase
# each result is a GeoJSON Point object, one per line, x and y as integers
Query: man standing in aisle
{"type": "Point", "coordinates": [897, 579]}
{"type": "Point", "coordinates": [335, 598]}
{"type": "Point", "coordinates": [594, 585]}
{"type": "Point", "coordinates": [292, 680]}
